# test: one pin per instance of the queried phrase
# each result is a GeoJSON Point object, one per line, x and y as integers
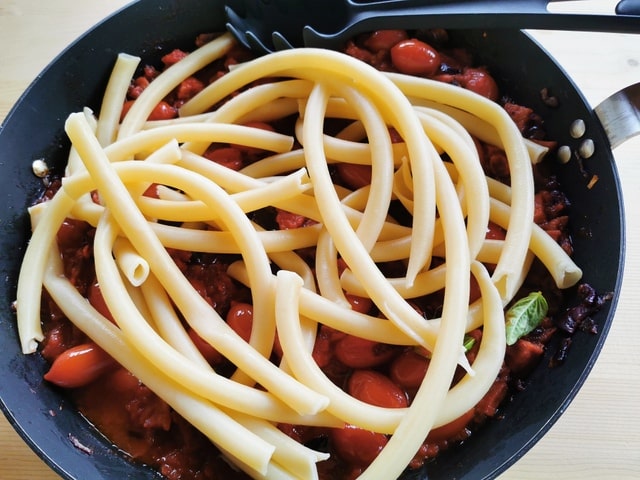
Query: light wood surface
{"type": "Point", "coordinates": [598, 437]}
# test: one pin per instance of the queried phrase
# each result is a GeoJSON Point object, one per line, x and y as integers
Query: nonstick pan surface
{"type": "Point", "coordinates": [77, 78]}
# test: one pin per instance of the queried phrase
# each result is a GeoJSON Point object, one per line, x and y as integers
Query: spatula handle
{"type": "Point", "coordinates": [628, 7]}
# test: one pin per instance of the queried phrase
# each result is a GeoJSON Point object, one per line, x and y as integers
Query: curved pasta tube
{"type": "Point", "coordinates": [345, 239]}
{"type": "Point", "coordinates": [314, 64]}
{"type": "Point", "coordinates": [194, 307]}
{"type": "Point", "coordinates": [208, 418]}
{"type": "Point", "coordinates": [137, 115]}
{"type": "Point", "coordinates": [450, 204]}
{"type": "Point", "coordinates": [520, 224]}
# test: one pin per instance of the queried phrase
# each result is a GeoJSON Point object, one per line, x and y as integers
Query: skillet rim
{"type": "Point", "coordinates": [32, 440]}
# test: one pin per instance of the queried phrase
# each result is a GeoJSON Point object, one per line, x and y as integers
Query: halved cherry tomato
{"type": "Point", "coordinates": [188, 88]}
{"type": "Point", "coordinates": [79, 366]}
{"type": "Point", "coordinates": [356, 445]}
{"type": "Point", "coordinates": [376, 389]}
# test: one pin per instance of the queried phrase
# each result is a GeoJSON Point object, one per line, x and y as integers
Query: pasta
{"type": "Point", "coordinates": [201, 206]}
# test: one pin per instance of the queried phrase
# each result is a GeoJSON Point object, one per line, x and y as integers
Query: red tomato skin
{"type": "Point", "coordinates": [359, 304]}
{"type": "Point", "coordinates": [495, 232]}
{"type": "Point", "coordinates": [356, 445]}
{"type": "Point", "coordinates": [358, 352]}
{"type": "Point", "coordinates": [451, 429]}
{"type": "Point", "coordinates": [96, 299]}
{"type": "Point", "coordinates": [229, 157]}
{"type": "Point", "coordinates": [248, 150]}
{"type": "Point", "coordinates": [189, 88]}
{"type": "Point", "coordinates": [474, 290]}
{"type": "Point", "coordinates": [79, 366]}
{"type": "Point", "coordinates": [408, 369]}
{"type": "Point", "coordinates": [414, 57]}
{"type": "Point", "coordinates": [376, 389]}
{"type": "Point", "coordinates": [163, 111]}
{"type": "Point", "coordinates": [382, 40]}
{"type": "Point", "coordinates": [353, 175]}
{"type": "Point", "coordinates": [210, 354]}
{"type": "Point", "coordinates": [173, 57]}
{"type": "Point", "coordinates": [479, 81]}
{"type": "Point", "coordinates": [240, 319]}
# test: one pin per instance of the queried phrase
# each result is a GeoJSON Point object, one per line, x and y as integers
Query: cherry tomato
{"type": "Point", "coordinates": [359, 304]}
{"type": "Point", "coordinates": [163, 111]}
{"type": "Point", "coordinates": [173, 57]}
{"type": "Point", "coordinates": [376, 389]}
{"type": "Point", "coordinates": [79, 366]}
{"type": "Point", "coordinates": [72, 233]}
{"type": "Point", "coordinates": [210, 354]}
{"type": "Point", "coordinates": [474, 290]}
{"type": "Point", "coordinates": [356, 352]}
{"type": "Point", "coordinates": [495, 232]}
{"type": "Point", "coordinates": [247, 150]}
{"type": "Point", "coordinates": [240, 318]}
{"type": "Point", "coordinates": [451, 429]}
{"type": "Point", "coordinates": [125, 108]}
{"type": "Point", "coordinates": [382, 40]}
{"type": "Point", "coordinates": [414, 57]}
{"type": "Point", "coordinates": [356, 445]}
{"type": "Point", "coordinates": [354, 176]}
{"type": "Point", "coordinates": [188, 88]}
{"type": "Point", "coordinates": [229, 157]}
{"type": "Point", "coordinates": [479, 81]}
{"type": "Point", "coordinates": [94, 295]}
{"type": "Point", "coordinates": [287, 220]}
{"type": "Point", "coordinates": [322, 348]}
{"type": "Point", "coordinates": [408, 369]}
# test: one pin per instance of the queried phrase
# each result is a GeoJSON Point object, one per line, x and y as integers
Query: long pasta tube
{"type": "Point", "coordinates": [204, 415]}
{"type": "Point", "coordinates": [345, 239]}
{"type": "Point", "coordinates": [348, 409]}
{"type": "Point", "coordinates": [460, 148]}
{"type": "Point", "coordinates": [203, 319]}
{"type": "Point", "coordinates": [165, 82]}
{"type": "Point", "coordinates": [133, 266]}
{"type": "Point", "coordinates": [470, 390]}
{"type": "Point", "coordinates": [327, 312]}
{"type": "Point", "coordinates": [422, 414]}
{"type": "Point", "coordinates": [315, 64]}
{"type": "Point", "coordinates": [520, 223]}
{"type": "Point", "coordinates": [167, 322]}
{"type": "Point", "coordinates": [29, 288]}
{"type": "Point", "coordinates": [114, 96]}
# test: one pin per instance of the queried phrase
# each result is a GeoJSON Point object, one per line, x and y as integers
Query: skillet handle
{"type": "Point", "coordinates": [628, 7]}
{"type": "Point", "coordinates": [619, 114]}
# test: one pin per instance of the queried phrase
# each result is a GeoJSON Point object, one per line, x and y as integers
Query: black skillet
{"type": "Point", "coordinates": [34, 129]}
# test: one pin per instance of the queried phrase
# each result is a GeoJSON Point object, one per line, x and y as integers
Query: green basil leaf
{"type": "Point", "coordinates": [468, 342]}
{"type": "Point", "coordinates": [525, 315]}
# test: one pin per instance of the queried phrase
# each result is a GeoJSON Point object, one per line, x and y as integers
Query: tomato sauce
{"type": "Point", "coordinates": [145, 427]}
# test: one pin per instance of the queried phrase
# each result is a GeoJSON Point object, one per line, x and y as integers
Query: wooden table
{"type": "Point", "coordinates": [599, 435]}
